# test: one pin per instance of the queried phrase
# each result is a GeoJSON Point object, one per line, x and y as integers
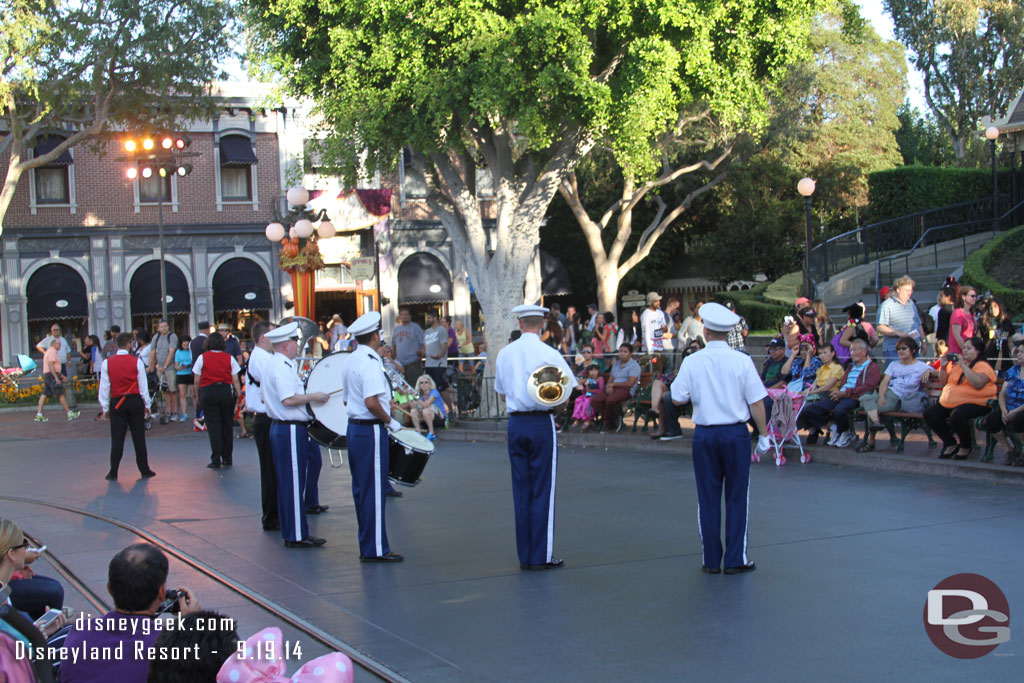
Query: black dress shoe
{"type": "Point", "coordinates": [111, 476]}
{"type": "Point", "coordinates": [147, 475]}
{"type": "Point", "coordinates": [213, 466]}
{"type": "Point", "coordinates": [948, 451]}
{"type": "Point", "coordinates": [226, 463]}
{"type": "Point", "coordinates": [553, 564]}
{"type": "Point", "coordinates": [395, 493]}
{"type": "Point", "coordinates": [741, 570]}
{"type": "Point", "coordinates": [308, 542]}
{"type": "Point", "coordinates": [710, 570]}
{"type": "Point", "coordinates": [271, 527]}
{"type": "Point", "coordinates": [389, 557]}
{"type": "Point", "coordinates": [317, 509]}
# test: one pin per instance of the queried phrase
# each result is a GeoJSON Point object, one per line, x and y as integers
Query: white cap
{"type": "Point", "coordinates": [283, 333]}
{"type": "Point", "coordinates": [530, 311]}
{"type": "Point", "coordinates": [364, 324]}
{"type": "Point", "coordinates": [717, 317]}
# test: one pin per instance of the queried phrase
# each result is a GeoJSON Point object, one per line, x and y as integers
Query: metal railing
{"type": "Point", "coordinates": [886, 238]}
{"type": "Point", "coordinates": [946, 233]}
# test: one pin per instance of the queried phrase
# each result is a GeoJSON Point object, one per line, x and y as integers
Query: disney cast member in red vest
{"type": "Point", "coordinates": [124, 397]}
{"type": "Point", "coordinates": [217, 378]}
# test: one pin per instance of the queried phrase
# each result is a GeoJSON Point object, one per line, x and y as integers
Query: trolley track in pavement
{"type": "Point", "coordinates": [369, 665]}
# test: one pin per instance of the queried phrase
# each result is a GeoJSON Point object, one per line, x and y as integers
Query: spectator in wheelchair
{"type": "Point", "coordinates": [969, 382]}
{"type": "Point", "coordinates": [901, 389]}
{"type": "Point", "coordinates": [861, 377]}
{"type": "Point", "coordinates": [1010, 413]}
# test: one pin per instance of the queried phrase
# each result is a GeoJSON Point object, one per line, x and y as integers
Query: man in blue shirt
{"type": "Point", "coordinates": [898, 317]}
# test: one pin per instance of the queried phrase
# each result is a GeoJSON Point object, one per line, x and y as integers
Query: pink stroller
{"type": "Point", "coordinates": [782, 425]}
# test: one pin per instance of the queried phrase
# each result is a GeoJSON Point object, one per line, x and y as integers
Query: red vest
{"type": "Point", "coordinates": [123, 371]}
{"type": "Point", "coordinates": [216, 368]}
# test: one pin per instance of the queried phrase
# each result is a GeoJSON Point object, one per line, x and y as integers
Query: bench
{"type": "Point", "coordinates": [640, 403]}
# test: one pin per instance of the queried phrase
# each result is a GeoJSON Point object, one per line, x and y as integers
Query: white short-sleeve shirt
{"type": "Point", "coordinates": [721, 383]}
{"type": "Point", "coordinates": [364, 377]}
{"type": "Point", "coordinates": [516, 362]}
{"type": "Point", "coordinates": [281, 381]}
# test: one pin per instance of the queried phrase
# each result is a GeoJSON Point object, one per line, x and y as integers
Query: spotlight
{"type": "Point", "coordinates": [132, 173]}
{"type": "Point", "coordinates": [147, 172]}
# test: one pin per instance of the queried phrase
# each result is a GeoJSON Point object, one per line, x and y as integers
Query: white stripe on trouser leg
{"type": "Point", "coordinates": [700, 530]}
{"type": "Point", "coordinates": [746, 524]}
{"type": "Point", "coordinates": [296, 499]}
{"type": "Point", "coordinates": [378, 528]}
{"type": "Point", "coordinates": [551, 497]}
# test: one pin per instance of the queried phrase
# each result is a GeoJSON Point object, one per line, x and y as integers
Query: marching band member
{"type": "Point", "coordinates": [726, 391]}
{"type": "Point", "coordinates": [255, 371]}
{"type": "Point", "coordinates": [368, 403]}
{"type": "Point", "coordinates": [532, 445]}
{"type": "Point", "coordinates": [290, 445]}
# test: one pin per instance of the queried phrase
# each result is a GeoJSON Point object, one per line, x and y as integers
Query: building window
{"type": "Point", "coordinates": [52, 185]}
{"type": "Point", "coordinates": [236, 162]}
{"type": "Point", "coordinates": [149, 189]}
{"type": "Point", "coordinates": [414, 185]}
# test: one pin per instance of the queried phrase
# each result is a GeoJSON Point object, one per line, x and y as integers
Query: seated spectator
{"type": "Point", "coordinates": [263, 661]}
{"type": "Point", "coordinates": [862, 376]}
{"type": "Point", "coordinates": [969, 383]}
{"type": "Point", "coordinates": [900, 389]}
{"type": "Point", "coordinates": [13, 559]}
{"type": "Point", "coordinates": [828, 377]}
{"type": "Point", "coordinates": [624, 376]}
{"type": "Point", "coordinates": [856, 328]}
{"type": "Point", "coordinates": [593, 383]}
{"type": "Point", "coordinates": [771, 372]}
{"type": "Point", "coordinates": [1010, 414]}
{"type": "Point", "coordinates": [137, 582]}
{"type": "Point", "coordinates": [209, 638]}
{"type": "Point", "coordinates": [428, 407]}
{"type": "Point", "coordinates": [587, 358]}
{"type": "Point", "coordinates": [941, 349]}
{"type": "Point", "coordinates": [802, 366]}
{"type": "Point", "coordinates": [661, 399]}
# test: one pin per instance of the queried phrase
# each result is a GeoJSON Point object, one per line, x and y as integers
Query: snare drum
{"type": "Point", "coordinates": [408, 456]}
{"type": "Point", "coordinates": [330, 419]}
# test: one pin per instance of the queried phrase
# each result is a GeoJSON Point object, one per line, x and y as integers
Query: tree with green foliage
{"type": "Point", "coordinates": [79, 69]}
{"type": "Point", "coordinates": [971, 55]}
{"type": "Point", "coordinates": [523, 90]}
{"type": "Point", "coordinates": [921, 140]}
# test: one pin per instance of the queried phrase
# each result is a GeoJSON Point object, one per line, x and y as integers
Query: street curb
{"type": "Point", "coordinates": [877, 461]}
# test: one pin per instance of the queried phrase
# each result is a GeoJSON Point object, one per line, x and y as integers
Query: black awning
{"type": "Point", "coordinates": [56, 291]}
{"type": "Point", "coordinates": [423, 279]}
{"type": "Point", "coordinates": [240, 284]}
{"type": "Point", "coordinates": [145, 289]}
{"type": "Point", "coordinates": [46, 144]}
{"type": "Point", "coordinates": [236, 150]}
{"type": "Point", "coordinates": [554, 276]}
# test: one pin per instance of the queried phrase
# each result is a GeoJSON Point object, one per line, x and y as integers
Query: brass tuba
{"type": "Point", "coordinates": [548, 386]}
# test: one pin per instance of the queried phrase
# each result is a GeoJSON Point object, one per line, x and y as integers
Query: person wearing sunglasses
{"type": "Point", "coordinates": [900, 389]}
{"type": "Point", "coordinates": [961, 323]}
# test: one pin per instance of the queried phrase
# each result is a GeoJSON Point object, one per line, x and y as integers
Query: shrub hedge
{"type": "Point", "coordinates": [908, 189]}
{"type": "Point", "coordinates": [978, 264]}
{"type": "Point", "coordinates": [751, 304]}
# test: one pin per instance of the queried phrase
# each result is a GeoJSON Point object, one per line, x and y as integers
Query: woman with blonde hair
{"type": "Point", "coordinates": [428, 407]}
{"type": "Point", "coordinates": [14, 555]}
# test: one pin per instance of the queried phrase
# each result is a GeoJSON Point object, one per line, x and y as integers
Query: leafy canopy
{"type": "Point", "coordinates": [386, 73]}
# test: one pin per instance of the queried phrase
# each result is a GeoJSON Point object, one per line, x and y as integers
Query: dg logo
{"type": "Point", "coordinates": [967, 616]}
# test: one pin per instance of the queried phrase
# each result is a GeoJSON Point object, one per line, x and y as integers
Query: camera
{"type": "Point", "coordinates": [170, 605]}
{"type": "Point", "coordinates": [952, 358]}
{"type": "Point", "coordinates": [789, 320]}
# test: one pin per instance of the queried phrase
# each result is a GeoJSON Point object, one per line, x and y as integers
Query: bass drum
{"type": "Point", "coordinates": [408, 456]}
{"type": "Point", "coordinates": [330, 419]}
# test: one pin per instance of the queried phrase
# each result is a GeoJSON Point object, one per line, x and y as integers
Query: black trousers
{"type": "Point", "coordinates": [994, 422]}
{"type": "Point", "coordinates": [131, 415]}
{"type": "Point", "coordinates": [268, 478]}
{"type": "Point", "coordinates": [218, 403]}
{"type": "Point", "coordinates": [946, 422]}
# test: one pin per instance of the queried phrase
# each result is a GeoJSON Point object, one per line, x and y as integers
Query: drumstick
{"type": "Point", "coordinates": [332, 393]}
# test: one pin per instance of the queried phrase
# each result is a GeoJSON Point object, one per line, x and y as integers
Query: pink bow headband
{"type": "Point", "coordinates": [263, 662]}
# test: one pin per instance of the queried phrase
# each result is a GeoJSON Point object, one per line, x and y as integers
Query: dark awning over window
{"type": "Point", "coordinates": [554, 276]}
{"type": "Point", "coordinates": [236, 150]}
{"type": "Point", "coordinates": [240, 284]}
{"type": "Point", "coordinates": [145, 289]}
{"type": "Point", "coordinates": [56, 291]}
{"type": "Point", "coordinates": [423, 279]}
{"type": "Point", "coordinates": [46, 144]}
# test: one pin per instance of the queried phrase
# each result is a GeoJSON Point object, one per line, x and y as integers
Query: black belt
{"type": "Point", "coordinates": [732, 424]}
{"type": "Point", "coordinates": [357, 421]}
{"type": "Point", "coordinates": [300, 423]}
{"type": "Point", "coordinates": [527, 413]}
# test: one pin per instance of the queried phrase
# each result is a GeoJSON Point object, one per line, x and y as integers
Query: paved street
{"type": "Point", "coordinates": [845, 559]}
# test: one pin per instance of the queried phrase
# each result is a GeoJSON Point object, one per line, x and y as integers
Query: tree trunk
{"type": "Point", "coordinates": [607, 286]}
{"type": "Point", "coordinates": [14, 172]}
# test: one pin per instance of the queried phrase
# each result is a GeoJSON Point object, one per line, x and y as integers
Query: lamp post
{"type": "Point", "coordinates": [992, 134]}
{"type": "Point", "coordinates": [806, 188]}
{"type": "Point", "coordinates": [298, 259]}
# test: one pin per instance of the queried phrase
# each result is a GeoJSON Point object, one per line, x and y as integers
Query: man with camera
{"type": "Point", "coordinates": [137, 581]}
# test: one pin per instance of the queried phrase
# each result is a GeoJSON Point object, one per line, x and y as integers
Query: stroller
{"type": "Point", "coordinates": [11, 375]}
{"type": "Point", "coordinates": [782, 425]}
{"type": "Point", "coordinates": [156, 385]}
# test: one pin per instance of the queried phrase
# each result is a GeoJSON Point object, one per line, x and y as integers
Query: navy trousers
{"type": "Point", "coordinates": [721, 455]}
{"type": "Point", "coordinates": [533, 452]}
{"type": "Point", "coordinates": [268, 478]}
{"type": "Point", "coordinates": [292, 449]}
{"type": "Point", "coordinates": [368, 450]}
{"type": "Point", "coordinates": [313, 466]}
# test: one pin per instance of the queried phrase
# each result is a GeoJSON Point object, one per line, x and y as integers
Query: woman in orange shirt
{"type": "Point", "coordinates": [970, 383]}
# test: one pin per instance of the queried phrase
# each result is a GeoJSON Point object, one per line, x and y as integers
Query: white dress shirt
{"type": "Point", "coordinates": [364, 377]}
{"type": "Point", "coordinates": [721, 382]}
{"type": "Point", "coordinates": [281, 381]}
{"type": "Point", "coordinates": [258, 360]}
{"type": "Point", "coordinates": [516, 362]}
{"type": "Point", "coordinates": [104, 396]}
{"type": "Point", "coordinates": [197, 369]}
